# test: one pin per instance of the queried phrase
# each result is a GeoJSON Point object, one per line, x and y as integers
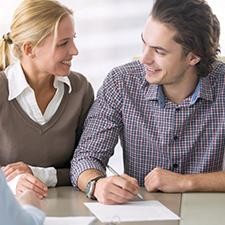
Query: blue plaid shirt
{"type": "Point", "coordinates": [154, 132]}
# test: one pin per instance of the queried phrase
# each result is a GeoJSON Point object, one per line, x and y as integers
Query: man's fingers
{"type": "Point", "coordinates": [115, 189]}
{"type": "Point", "coordinates": [122, 192]}
{"type": "Point", "coordinates": [126, 184]}
{"type": "Point", "coordinates": [130, 179]}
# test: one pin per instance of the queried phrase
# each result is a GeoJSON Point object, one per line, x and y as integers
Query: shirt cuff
{"type": "Point", "coordinates": [46, 175]}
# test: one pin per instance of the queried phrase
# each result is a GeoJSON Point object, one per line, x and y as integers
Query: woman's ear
{"type": "Point", "coordinates": [193, 59]}
{"type": "Point", "coordinates": [27, 49]}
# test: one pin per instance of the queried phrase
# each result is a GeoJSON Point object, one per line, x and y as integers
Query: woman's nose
{"type": "Point", "coordinates": [74, 50]}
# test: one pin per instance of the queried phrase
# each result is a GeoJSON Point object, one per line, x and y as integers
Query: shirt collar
{"type": "Point", "coordinates": [17, 82]}
{"type": "Point", "coordinates": [62, 79]}
{"type": "Point", "coordinates": [203, 90]}
{"type": "Point", "coordinates": [155, 93]}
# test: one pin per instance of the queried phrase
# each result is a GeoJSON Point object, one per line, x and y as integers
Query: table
{"type": "Point", "coordinates": [65, 201]}
{"type": "Point", "coordinates": [203, 209]}
{"type": "Point", "coordinates": [194, 208]}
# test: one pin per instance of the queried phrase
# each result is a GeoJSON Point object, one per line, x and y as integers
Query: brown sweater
{"type": "Point", "coordinates": [51, 144]}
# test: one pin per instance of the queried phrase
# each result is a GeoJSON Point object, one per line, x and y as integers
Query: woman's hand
{"type": "Point", "coordinates": [13, 169]}
{"type": "Point", "coordinates": [29, 182]}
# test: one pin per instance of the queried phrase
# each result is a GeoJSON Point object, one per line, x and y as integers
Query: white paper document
{"type": "Point", "coordinates": [81, 220]}
{"type": "Point", "coordinates": [131, 211]}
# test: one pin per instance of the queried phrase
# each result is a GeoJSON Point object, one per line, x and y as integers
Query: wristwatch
{"type": "Point", "coordinates": [90, 188]}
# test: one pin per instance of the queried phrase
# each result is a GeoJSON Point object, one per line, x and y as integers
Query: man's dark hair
{"type": "Point", "coordinates": [198, 29]}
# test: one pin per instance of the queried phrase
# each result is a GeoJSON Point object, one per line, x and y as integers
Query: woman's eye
{"type": "Point", "coordinates": [63, 44]}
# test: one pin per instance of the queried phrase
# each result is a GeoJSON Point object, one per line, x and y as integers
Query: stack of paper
{"type": "Point", "coordinates": [132, 211]}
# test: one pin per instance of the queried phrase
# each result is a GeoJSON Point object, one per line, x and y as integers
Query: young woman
{"type": "Point", "coordinates": [42, 103]}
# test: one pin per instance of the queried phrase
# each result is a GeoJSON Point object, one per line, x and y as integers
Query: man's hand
{"type": "Point", "coordinates": [14, 169]}
{"type": "Point", "coordinates": [166, 181]}
{"type": "Point", "coordinates": [116, 189]}
{"type": "Point", "coordinates": [30, 182]}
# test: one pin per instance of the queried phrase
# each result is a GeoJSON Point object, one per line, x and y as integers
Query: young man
{"type": "Point", "coordinates": [12, 213]}
{"type": "Point", "coordinates": [168, 110]}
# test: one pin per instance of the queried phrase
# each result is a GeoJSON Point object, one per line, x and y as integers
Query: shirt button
{"type": "Point", "coordinates": [175, 165]}
{"type": "Point", "coordinates": [175, 138]}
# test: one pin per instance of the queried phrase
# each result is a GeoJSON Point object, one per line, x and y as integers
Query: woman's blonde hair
{"type": "Point", "coordinates": [33, 21]}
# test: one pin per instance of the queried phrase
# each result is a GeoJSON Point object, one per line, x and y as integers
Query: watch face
{"type": "Point", "coordinates": [89, 190]}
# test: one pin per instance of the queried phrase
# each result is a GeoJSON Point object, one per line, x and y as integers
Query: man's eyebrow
{"type": "Point", "coordinates": [154, 47]}
{"type": "Point", "coordinates": [142, 38]}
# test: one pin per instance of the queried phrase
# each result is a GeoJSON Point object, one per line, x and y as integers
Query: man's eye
{"type": "Point", "coordinates": [160, 52]}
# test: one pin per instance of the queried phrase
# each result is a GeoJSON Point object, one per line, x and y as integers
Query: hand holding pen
{"type": "Point", "coordinates": [115, 173]}
{"type": "Point", "coordinates": [116, 189]}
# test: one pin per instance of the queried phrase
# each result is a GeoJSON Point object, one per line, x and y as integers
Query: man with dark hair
{"type": "Point", "coordinates": [168, 110]}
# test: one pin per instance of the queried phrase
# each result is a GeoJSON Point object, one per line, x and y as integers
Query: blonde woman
{"type": "Point", "coordinates": [42, 103]}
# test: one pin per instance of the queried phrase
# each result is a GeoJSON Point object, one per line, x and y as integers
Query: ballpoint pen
{"type": "Point", "coordinates": [115, 173]}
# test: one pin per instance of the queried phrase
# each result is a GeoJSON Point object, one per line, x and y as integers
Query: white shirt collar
{"type": "Point", "coordinates": [62, 79]}
{"type": "Point", "coordinates": [17, 82]}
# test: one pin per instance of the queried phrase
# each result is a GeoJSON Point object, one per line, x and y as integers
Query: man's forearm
{"type": "Point", "coordinates": [214, 181]}
{"type": "Point", "coordinates": [86, 176]}
{"type": "Point", "coordinates": [168, 181]}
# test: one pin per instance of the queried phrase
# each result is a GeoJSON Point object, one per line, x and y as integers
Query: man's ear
{"type": "Point", "coordinates": [27, 49]}
{"type": "Point", "coordinates": [193, 59]}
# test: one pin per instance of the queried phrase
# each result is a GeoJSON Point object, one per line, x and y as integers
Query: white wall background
{"type": "Point", "coordinates": [108, 34]}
